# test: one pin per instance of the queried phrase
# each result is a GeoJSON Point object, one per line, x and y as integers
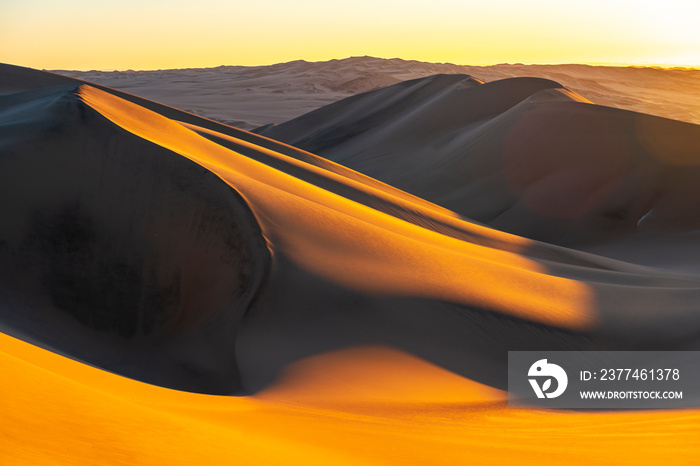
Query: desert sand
{"type": "Point", "coordinates": [252, 96]}
{"type": "Point", "coordinates": [177, 290]}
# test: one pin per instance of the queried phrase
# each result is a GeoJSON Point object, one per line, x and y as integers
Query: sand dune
{"type": "Point", "coordinates": [364, 324]}
{"type": "Point", "coordinates": [523, 155]}
{"type": "Point", "coordinates": [248, 97]}
{"type": "Point", "coordinates": [122, 239]}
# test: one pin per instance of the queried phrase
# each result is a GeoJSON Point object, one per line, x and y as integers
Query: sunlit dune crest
{"type": "Point", "coordinates": [296, 216]}
{"type": "Point", "coordinates": [354, 276]}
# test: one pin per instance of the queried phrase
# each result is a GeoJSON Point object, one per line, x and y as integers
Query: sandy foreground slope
{"type": "Point", "coordinates": [251, 96]}
{"type": "Point", "coordinates": [359, 324]}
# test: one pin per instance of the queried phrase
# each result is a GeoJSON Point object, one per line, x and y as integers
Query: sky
{"type": "Point", "coordinates": [159, 34]}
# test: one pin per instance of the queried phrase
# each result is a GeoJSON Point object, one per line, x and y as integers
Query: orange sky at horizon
{"type": "Point", "coordinates": [83, 34]}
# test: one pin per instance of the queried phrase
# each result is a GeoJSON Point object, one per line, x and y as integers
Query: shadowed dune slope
{"type": "Point", "coordinates": [132, 259]}
{"type": "Point", "coordinates": [523, 155]}
{"type": "Point", "coordinates": [363, 324]}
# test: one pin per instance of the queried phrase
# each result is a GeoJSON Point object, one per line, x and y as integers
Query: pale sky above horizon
{"type": "Point", "coordinates": [156, 34]}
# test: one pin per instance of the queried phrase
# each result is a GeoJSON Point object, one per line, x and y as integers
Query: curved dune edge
{"type": "Point", "coordinates": [318, 229]}
{"type": "Point", "coordinates": [123, 421]}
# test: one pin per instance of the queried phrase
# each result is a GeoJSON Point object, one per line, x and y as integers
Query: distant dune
{"type": "Point", "coordinates": [253, 96]}
{"type": "Point", "coordinates": [147, 253]}
{"type": "Point", "coordinates": [524, 155]}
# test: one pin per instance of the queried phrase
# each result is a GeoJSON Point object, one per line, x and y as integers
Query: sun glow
{"type": "Point", "coordinates": [77, 34]}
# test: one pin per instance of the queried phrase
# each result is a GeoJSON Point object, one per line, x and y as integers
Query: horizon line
{"type": "Point", "coordinates": [653, 65]}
